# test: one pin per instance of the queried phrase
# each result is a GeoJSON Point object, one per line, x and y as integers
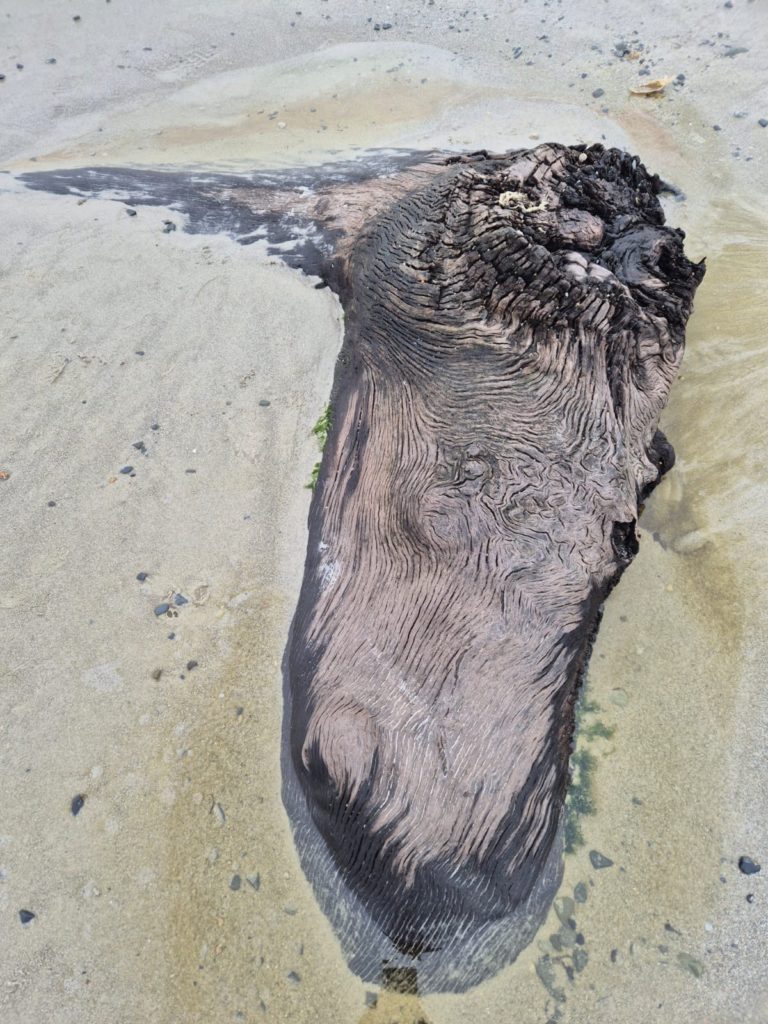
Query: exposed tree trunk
{"type": "Point", "coordinates": [514, 323]}
{"type": "Point", "coordinates": [513, 327]}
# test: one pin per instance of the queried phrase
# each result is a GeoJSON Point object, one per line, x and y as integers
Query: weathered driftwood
{"type": "Point", "coordinates": [513, 325]}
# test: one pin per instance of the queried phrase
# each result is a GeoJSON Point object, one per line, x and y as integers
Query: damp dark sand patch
{"type": "Point", "coordinates": [244, 932]}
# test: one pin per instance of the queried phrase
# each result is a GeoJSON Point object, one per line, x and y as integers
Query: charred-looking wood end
{"type": "Point", "coordinates": [513, 326]}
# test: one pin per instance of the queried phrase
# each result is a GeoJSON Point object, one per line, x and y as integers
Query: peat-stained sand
{"type": "Point", "coordinates": [136, 916]}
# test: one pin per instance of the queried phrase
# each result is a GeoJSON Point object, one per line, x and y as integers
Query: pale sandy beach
{"type": "Point", "coordinates": [158, 391]}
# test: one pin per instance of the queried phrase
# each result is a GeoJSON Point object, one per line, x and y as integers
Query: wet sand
{"type": "Point", "coordinates": [175, 894]}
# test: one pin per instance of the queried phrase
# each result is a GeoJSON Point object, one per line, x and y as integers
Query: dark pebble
{"type": "Point", "coordinates": [254, 881]}
{"type": "Point", "coordinates": [161, 609]}
{"type": "Point", "coordinates": [76, 17]}
{"type": "Point", "coordinates": [728, 4]}
{"type": "Point", "coordinates": [130, 212]}
{"type": "Point", "coordinates": [139, 446]}
{"type": "Point", "coordinates": [77, 804]}
{"type": "Point", "coordinates": [716, 128]}
{"type": "Point", "coordinates": [580, 958]}
{"type": "Point", "coordinates": [597, 93]}
{"type": "Point", "coordinates": [179, 600]}
{"type": "Point", "coordinates": [126, 470]}
{"type": "Point", "coordinates": [580, 892]}
{"type": "Point", "coordinates": [293, 977]}
{"type": "Point", "coordinates": [51, 60]}
{"type": "Point", "coordinates": [2, 78]}
{"type": "Point", "coordinates": [750, 897]}
{"type": "Point", "coordinates": [51, 504]}
{"type": "Point", "coordinates": [599, 860]}
{"type": "Point", "coordinates": [25, 916]}
{"type": "Point", "coordinates": [235, 882]}
{"type": "Point", "coordinates": [734, 51]}
{"type": "Point", "coordinates": [168, 227]}
{"type": "Point", "coordinates": [190, 470]}
{"type": "Point", "coordinates": [141, 576]}
{"type": "Point", "coordinates": [171, 636]}
{"type": "Point", "coordinates": [614, 955]}
{"type": "Point", "coordinates": [19, 67]}
{"type": "Point", "coordinates": [747, 866]}
{"type": "Point", "coordinates": [264, 403]}
{"type": "Point", "coordinates": [139, 352]}
{"type": "Point", "coordinates": [763, 122]}
{"type": "Point", "coordinates": [191, 665]}
{"type": "Point", "coordinates": [156, 673]}
{"type": "Point", "coordinates": [155, 426]}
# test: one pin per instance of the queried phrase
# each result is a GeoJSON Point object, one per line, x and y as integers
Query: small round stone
{"type": "Point", "coordinates": [599, 860]}
{"type": "Point", "coordinates": [580, 892]}
{"type": "Point", "coordinates": [747, 866]}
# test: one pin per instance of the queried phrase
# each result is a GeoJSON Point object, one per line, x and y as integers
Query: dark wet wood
{"type": "Point", "coordinates": [514, 323]}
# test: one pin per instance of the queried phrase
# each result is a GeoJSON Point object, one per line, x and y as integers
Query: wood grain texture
{"type": "Point", "coordinates": [513, 325]}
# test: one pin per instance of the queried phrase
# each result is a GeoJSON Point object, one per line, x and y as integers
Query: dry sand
{"type": "Point", "coordinates": [114, 333]}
